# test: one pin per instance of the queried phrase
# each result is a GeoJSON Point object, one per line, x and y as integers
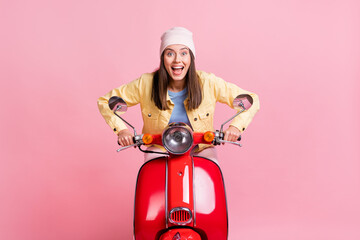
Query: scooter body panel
{"type": "Point", "coordinates": [180, 196]}
{"type": "Point", "coordinates": [149, 213]}
{"type": "Point", "coordinates": [210, 200]}
{"type": "Point", "coordinates": [209, 208]}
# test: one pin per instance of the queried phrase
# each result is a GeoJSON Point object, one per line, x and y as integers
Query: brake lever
{"type": "Point", "coordinates": [235, 143]}
{"type": "Point", "coordinates": [132, 145]}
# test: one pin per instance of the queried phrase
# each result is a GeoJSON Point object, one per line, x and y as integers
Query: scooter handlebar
{"type": "Point", "coordinates": [198, 138]}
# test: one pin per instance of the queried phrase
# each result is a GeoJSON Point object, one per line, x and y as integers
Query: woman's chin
{"type": "Point", "coordinates": [178, 77]}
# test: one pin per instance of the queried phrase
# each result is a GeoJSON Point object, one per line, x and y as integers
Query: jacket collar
{"type": "Point", "coordinates": [168, 99]}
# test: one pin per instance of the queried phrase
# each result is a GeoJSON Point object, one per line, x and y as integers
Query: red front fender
{"type": "Point", "coordinates": [180, 234]}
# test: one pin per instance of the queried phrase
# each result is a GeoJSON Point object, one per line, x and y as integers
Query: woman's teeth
{"type": "Point", "coordinates": [177, 70]}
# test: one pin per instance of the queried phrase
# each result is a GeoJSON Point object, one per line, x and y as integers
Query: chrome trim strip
{"type": "Point", "coordinates": [194, 197]}
{"type": "Point", "coordinates": [166, 193]}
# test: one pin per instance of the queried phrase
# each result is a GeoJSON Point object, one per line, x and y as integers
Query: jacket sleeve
{"type": "Point", "coordinates": [130, 93]}
{"type": "Point", "coordinates": [226, 92]}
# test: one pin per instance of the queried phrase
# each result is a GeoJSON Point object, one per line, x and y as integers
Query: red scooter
{"type": "Point", "coordinates": [180, 196]}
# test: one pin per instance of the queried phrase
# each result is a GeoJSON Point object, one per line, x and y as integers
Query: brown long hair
{"type": "Point", "coordinates": [161, 82]}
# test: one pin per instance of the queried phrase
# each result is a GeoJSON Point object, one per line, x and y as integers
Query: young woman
{"type": "Point", "coordinates": [177, 92]}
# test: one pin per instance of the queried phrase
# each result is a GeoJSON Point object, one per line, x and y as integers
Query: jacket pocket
{"type": "Point", "coordinates": [206, 116]}
{"type": "Point", "coordinates": [153, 121]}
{"type": "Point", "coordinates": [150, 114]}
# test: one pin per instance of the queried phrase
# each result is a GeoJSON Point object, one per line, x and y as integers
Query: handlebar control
{"type": "Point", "coordinates": [219, 138]}
{"type": "Point", "coordinates": [222, 136]}
{"type": "Point", "coordinates": [137, 139]}
{"type": "Point", "coordinates": [132, 145]}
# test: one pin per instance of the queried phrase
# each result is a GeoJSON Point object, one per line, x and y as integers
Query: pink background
{"type": "Point", "coordinates": [298, 174]}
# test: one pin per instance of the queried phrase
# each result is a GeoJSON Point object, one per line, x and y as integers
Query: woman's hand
{"type": "Point", "coordinates": [231, 134]}
{"type": "Point", "coordinates": [125, 137]}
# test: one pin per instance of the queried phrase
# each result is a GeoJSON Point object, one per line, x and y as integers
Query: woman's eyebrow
{"type": "Point", "coordinates": [170, 49]}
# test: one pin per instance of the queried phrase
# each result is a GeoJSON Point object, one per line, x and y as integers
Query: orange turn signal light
{"type": "Point", "coordinates": [147, 138]}
{"type": "Point", "coordinates": [209, 136]}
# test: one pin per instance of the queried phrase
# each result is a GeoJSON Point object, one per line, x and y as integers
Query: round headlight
{"type": "Point", "coordinates": [177, 138]}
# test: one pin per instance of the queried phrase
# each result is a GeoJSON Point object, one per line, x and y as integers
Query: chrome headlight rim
{"type": "Point", "coordinates": [185, 129]}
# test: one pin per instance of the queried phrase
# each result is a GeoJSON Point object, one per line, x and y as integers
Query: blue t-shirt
{"type": "Point", "coordinates": [179, 113]}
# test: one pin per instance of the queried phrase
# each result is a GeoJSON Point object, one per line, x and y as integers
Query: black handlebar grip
{"type": "Point", "coordinates": [222, 137]}
{"type": "Point", "coordinates": [119, 143]}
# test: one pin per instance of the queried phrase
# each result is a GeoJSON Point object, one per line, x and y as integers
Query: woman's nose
{"type": "Point", "coordinates": [177, 58]}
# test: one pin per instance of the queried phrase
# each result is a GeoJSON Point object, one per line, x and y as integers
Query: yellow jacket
{"type": "Point", "coordinates": [155, 120]}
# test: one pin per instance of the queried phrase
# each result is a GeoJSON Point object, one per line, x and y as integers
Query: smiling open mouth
{"type": "Point", "coordinates": [177, 70]}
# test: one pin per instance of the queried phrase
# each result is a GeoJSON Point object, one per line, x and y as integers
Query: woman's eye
{"type": "Point", "coordinates": [170, 54]}
{"type": "Point", "coordinates": [184, 53]}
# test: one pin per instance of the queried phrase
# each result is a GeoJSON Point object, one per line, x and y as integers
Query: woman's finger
{"type": "Point", "coordinates": [125, 138]}
{"type": "Point", "coordinates": [231, 134]}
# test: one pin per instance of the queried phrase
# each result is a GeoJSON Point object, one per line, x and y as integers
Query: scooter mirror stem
{"type": "Point", "coordinates": [222, 125]}
{"type": "Point", "coordinates": [242, 102]}
{"type": "Point", "coordinates": [117, 104]}
{"type": "Point", "coordinates": [125, 121]}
